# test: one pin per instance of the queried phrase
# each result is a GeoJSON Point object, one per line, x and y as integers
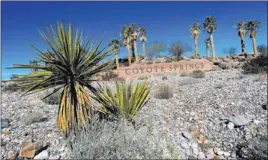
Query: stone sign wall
{"type": "Point", "coordinates": [138, 70]}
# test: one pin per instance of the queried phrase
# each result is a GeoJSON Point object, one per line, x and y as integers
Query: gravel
{"type": "Point", "coordinates": [224, 93]}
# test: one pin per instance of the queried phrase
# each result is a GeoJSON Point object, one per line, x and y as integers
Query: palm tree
{"type": "Point", "coordinates": [72, 72]}
{"type": "Point", "coordinates": [208, 46]}
{"type": "Point", "coordinates": [115, 45]}
{"type": "Point", "coordinates": [143, 39]}
{"type": "Point", "coordinates": [34, 63]}
{"type": "Point", "coordinates": [240, 26]}
{"type": "Point", "coordinates": [125, 32]}
{"type": "Point", "coordinates": [134, 36]}
{"type": "Point", "coordinates": [251, 27]}
{"type": "Point", "coordinates": [210, 26]}
{"type": "Point", "coordinates": [195, 31]}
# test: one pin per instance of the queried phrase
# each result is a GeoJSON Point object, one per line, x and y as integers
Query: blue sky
{"type": "Point", "coordinates": [164, 21]}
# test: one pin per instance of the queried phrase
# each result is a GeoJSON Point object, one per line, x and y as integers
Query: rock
{"type": "Point", "coordinates": [201, 155]}
{"type": "Point", "coordinates": [210, 155]}
{"type": "Point", "coordinates": [230, 125]}
{"type": "Point", "coordinates": [54, 157]}
{"type": "Point", "coordinates": [5, 132]}
{"type": "Point", "coordinates": [233, 155]}
{"type": "Point", "coordinates": [187, 135]}
{"type": "Point", "coordinates": [5, 123]}
{"type": "Point", "coordinates": [240, 120]}
{"type": "Point", "coordinates": [11, 155]}
{"type": "Point", "coordinates": [42, 155]}
{"type": "Point", "coordinates": [256, 122]}
{"type": "Point", "coordinates": [194, 145]}
{"type": "Point", "coordinates": [184, 145]}
{"type": "Point", "coordinates": [226, 154]}
{"type": "Point", "coordinates": [195, 134]}
{"type": "Point", "coordinates": [27, 149]}
{"type": "Point", "coordinates": [195, 151]}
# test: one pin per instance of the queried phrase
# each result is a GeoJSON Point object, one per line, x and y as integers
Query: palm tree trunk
{"type": "Point", "coordinates": [195, 48]}
{"type": "Point", "coordinates": [207, 51]}
{"type": "Point", "coordinates": [254, 46]}
{"type": "Point", "coordinates": [242, 45]}
{"type": "Point", "coordinates": [117, 62]}
{"type": "Point", "coordinates": [143, 49]}
{"type": "Point", "coordinates": [212, 48]}
{"type": "Point", "coordinates": [135, 51]}
{"type": "Point", "coordinates": [129, 56]}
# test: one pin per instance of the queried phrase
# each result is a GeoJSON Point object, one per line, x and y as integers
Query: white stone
{"type": "Point", "coordinates": [42, 155]}
{"type": "Point", "coordinates": [230, 125]}
{"type": "Point", "coordinates": [256, 121]}
{"type": "Point", "coordinates": [201, 155]}
{"type": "Point", "coordinates": [187, 135]}
{"type": "Point", "coordinates": [226, 154]}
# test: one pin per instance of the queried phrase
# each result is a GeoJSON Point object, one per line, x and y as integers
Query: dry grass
{"type": "Point", "coordinates": [163, 92]}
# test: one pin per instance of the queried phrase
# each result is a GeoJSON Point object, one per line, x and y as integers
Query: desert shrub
{"type": "Point", "coordinates": [106, 140]}
{"type": "Point", "coordinates": [230, 51]}
{"type": "Point", "coordinates": [177, 49]}
{"type": "Point", "coordinates": [163, 92]}
{"type": "Point", "coordinates": [14, 76]}
{"type": "Point", "coordinates": [36, 117]}
{"type": "Point", "coordinates": [109, 75]}
{"type": "Point", "coordinates": [155, 48]}
{"type": "Point", "coordinates": [262, 49]}
{"type": "Point", "coordinates": [53, 99]}
{"type": "Point", "coordinates": [157, 61]}
{"type": "Point", "coordinates": [125, 101]}
{"type": "Point", "coordinates": [188, 81]}
{"type": "Point", "coordinates": [149, 62]}
{"type": "Point", "coordinates": [10, 87]}
{"type": "Point", "coordinates": [164, 78]}
{"type": "Point", "coordinates": [198, 74]}
{"type": "Point", "coordinates": [256, 65]}
{"type": "Point", "coordinates": [184, 74]}
{"type": "Point", "coordinates": [143, 78]}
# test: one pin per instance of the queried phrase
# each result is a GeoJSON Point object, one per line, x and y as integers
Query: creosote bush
{"type": "Point", "coordinates": [121, 140]}
{"type": "Point", "coordinates": [53, 99]}
{"type": "Point", "coordinates": [256, 65]}
{"type": "Point", "coordinates": [10, 87]}
{"type": "Point", "coordinates": [188, 81]}
{"type": "Point", "coordinates": [163, 92]}
{"type": "Point", "coordinates": [143, 78]}
{"type": "Point", "coordinates": [109, 75]}
{"type": "Point", "coordinates": [198, 74]}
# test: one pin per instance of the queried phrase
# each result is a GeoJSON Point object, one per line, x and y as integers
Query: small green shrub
{"type": "Point", "coordinates": [125, 101]}
{"type": "Point", "coordinates": [163, 92]}
{"type": "Point", "coordinates": [198, 74]}
{"type": "Point", "coordinates": [143, 78]}
{"type": "Point", "coordinates": [164, 78]}
{"type": "Point", "coordinates": [10, 87]}
{"type": "Point", "coordinates": [184, 74]}
{"type": "Point", "coordinates": [109, 75]}
{"type": "Point", "coordinates": [149, 62]}
{"type": "Point", "coordinates": [121, 140]}
{"type": "Point", "coordinates": [157, 61]}
{"type": "Point", "coordinates": [188, 81]}
{"type": "Point", "coordinates": [54, 99]}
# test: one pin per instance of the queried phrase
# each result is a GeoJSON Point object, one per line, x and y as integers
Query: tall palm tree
{"type": "Point", "coordinates": [208, 46]}
{"type": "Point", "coordinates": [240, 26]}
{"type": "Point", "coordinates": [210, 26]}
{"type": "Point", "coordinates": [195, 31]}
{"type": "Point", "coordinates": [115, 45]}
{"type": "Point", "coordinates": [143, 39]}
{"type": "Point", "coordinates": [125, 34]}
{"type": "Point", "coordinates": [34, 63]}
{"type": "Point", "coordinates": [134, 36]}
{"type": "Point", "coordinates": [72, 72]}
{"type": "Point", "coordinates": [251, 27]}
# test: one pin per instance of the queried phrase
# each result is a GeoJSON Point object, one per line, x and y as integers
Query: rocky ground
{"type": "Point", "coordinates": [219, 116]}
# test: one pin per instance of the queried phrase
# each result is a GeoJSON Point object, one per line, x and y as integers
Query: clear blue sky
{"type": "Point", "coordinates": [164, 21]}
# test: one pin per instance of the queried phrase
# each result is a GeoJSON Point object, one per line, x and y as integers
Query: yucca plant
{"type": "Point", "coordinates": [72, 64]}
{"type": "Point", "coordinates": [125, 101]}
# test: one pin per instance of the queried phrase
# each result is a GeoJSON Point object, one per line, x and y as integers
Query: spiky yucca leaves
{"type": "Point", "coordinates": [210, 25]}
{"type": "Point", "coordinates": [195, 31]}
{"type": "Point", "coordinates": [126, 101]}
{"type": "Point", "coordinates": [143, 39]}
{"type": "Point", "coordinates": [251, 27]}
{"type": "Point", "coordinates": [115, 45]}
{"type": "Point", "coordinates": [68, 65]}
{"type": "Point", "coordinates": [240, 26]}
